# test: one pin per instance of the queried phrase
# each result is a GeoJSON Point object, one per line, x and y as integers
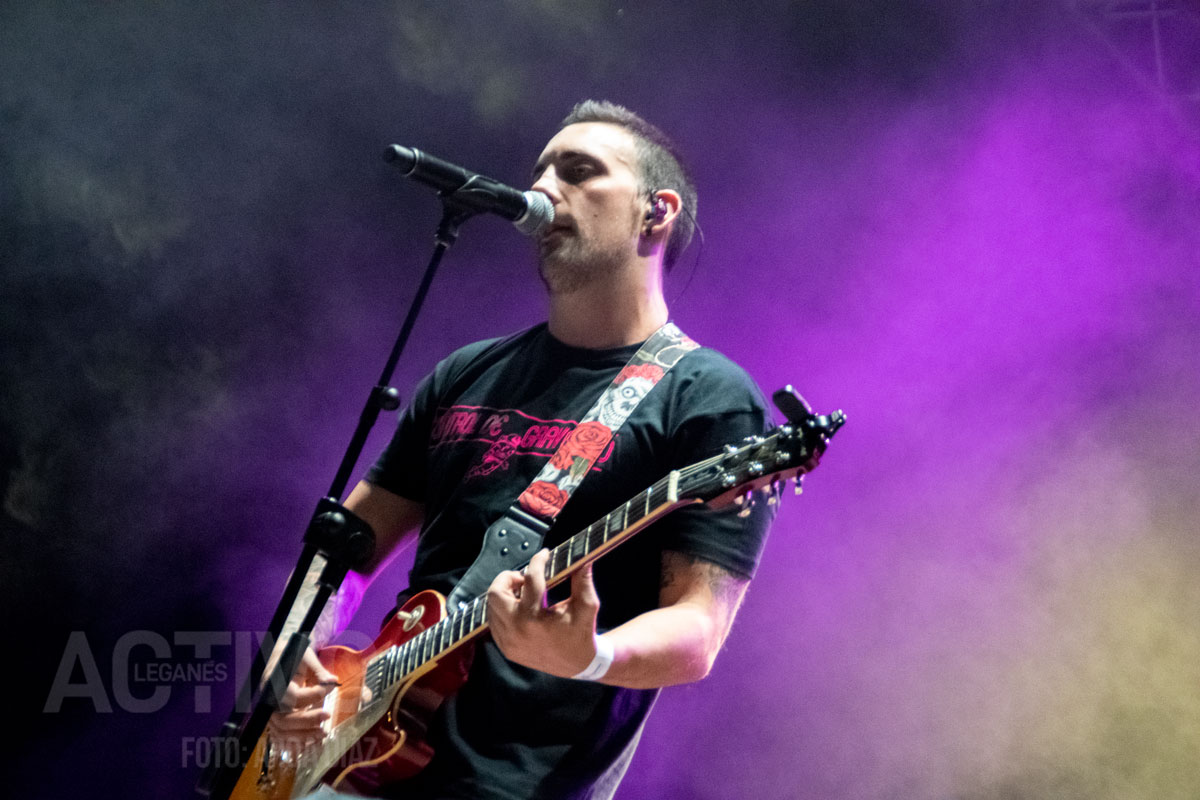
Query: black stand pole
{"type": "Point", "coordinates": [343, 540]}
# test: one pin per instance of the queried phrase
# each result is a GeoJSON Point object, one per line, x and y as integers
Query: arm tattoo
{"type": "Point", "coordinates": [727, 588]}
{"type": "Point", "coordinates": [337, 612]}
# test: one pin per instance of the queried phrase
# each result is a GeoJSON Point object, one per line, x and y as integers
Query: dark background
{"type": "Point", "coordinates": [973, 225]}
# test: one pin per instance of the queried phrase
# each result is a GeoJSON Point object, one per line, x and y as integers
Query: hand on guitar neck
{"type": "Point", "coordinates": [559, 639]}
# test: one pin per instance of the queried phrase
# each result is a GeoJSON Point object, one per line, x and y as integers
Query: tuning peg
{"type": "Point", "coordinates": [746, 501]}
{"type": "Point", "coordinates": [793, 406]}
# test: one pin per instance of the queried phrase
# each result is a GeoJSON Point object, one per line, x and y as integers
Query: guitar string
{"type": "Point", "coordinates": [433, 636]}
{"type": "Point", "coordinates": [435, 633]}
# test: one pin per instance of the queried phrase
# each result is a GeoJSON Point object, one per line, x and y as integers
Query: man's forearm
{"type": "Point", "coordinates": [663, 647]}
{"type": "Point", "coordinates": [338, 611]}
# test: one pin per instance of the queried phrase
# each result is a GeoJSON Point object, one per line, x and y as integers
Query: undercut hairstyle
{"type": "Point", "coordinates": [659, 165]}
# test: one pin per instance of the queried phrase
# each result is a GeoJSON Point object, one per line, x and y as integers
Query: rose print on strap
{"type": "Point", "coordinates": [543, 499]}
{"type": "Point", "coordinates": [569, 465]}
{"type": "Point", "coordinates": [651, 372]}
{"type": "Point", "coordinates": [582, 447]}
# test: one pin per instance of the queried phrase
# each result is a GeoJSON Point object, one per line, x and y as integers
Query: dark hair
{"type": "Point", "coordinates": [659, 165]}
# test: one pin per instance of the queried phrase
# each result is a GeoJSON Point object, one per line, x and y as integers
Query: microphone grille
{"type": "Point", "coordinates": [539, 212]}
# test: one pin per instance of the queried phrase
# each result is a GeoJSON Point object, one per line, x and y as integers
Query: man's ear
{"type": "Point", "coordinates": [664, 206]}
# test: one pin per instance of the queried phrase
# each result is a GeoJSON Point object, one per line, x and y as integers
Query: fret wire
{"type": "Point", "coordinates": [565, 548]}
{"type": "Point", "coordinates": [579, 546]}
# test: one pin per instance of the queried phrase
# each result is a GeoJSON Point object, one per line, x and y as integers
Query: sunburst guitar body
{"type": "Point", "coordinates": [423, 654]}
{"type": "Point", "coordinates": [367, 743]}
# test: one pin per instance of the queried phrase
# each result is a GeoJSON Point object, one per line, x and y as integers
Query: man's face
{"type": "Point", "coordinates": [589, 171]}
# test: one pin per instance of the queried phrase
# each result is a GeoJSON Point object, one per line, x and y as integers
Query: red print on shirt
{"type": "Point", "coordinates": [507, 432]}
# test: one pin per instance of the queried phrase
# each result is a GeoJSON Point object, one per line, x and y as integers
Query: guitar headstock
{"type": "Point", "coordinates": [764, 462]}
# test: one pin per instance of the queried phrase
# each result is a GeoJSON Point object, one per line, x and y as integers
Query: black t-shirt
{"type": "Point", "coordinates": [478, 430]}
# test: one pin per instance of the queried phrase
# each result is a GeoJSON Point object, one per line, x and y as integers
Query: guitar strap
{"type": "Point", "coordinates": [511, 540]}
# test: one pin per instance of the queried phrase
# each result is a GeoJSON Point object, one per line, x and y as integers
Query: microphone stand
{"type": "Point", "coordinates": [343, 540]}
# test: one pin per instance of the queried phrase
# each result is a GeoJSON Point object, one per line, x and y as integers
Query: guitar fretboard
{"type": "Point", "coordinates": [399, 661]}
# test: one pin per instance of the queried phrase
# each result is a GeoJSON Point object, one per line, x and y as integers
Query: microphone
{"type": "Point", "coordinates": [531, 212]}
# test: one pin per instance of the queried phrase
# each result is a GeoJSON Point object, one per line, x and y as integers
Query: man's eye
{"type": "Point", "coordinates": [577, 172]}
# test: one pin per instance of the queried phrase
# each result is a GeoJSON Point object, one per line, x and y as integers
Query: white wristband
{"type": "Point", "coordinates": [600, 664]}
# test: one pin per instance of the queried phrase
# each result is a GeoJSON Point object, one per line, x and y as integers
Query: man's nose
{"type": "Point", "coordinates": [547, 184]}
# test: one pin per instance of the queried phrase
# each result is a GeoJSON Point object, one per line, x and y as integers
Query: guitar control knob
{"type": "Point", "coordinates": [729, 481]}
{"type": "Point", "coordinates": [755, 468]}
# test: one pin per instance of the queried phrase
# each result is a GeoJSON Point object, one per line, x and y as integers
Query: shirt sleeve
{"type": "Point", "coordinates": [720, 405]}
{"type": "Point", "coordinates": [402, 467]}
{"type": "Point", "coordinates": [719, 536]}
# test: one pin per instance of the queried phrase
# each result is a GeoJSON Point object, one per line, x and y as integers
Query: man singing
{"type": "Point", "coordinates": [556, 699]}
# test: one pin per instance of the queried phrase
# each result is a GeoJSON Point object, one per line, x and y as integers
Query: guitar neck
{"type": "Point", "coordinates": [467, 622]}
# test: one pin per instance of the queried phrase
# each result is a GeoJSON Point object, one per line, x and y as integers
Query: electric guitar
{"type": "Point", "coordinates": [424, 651]}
